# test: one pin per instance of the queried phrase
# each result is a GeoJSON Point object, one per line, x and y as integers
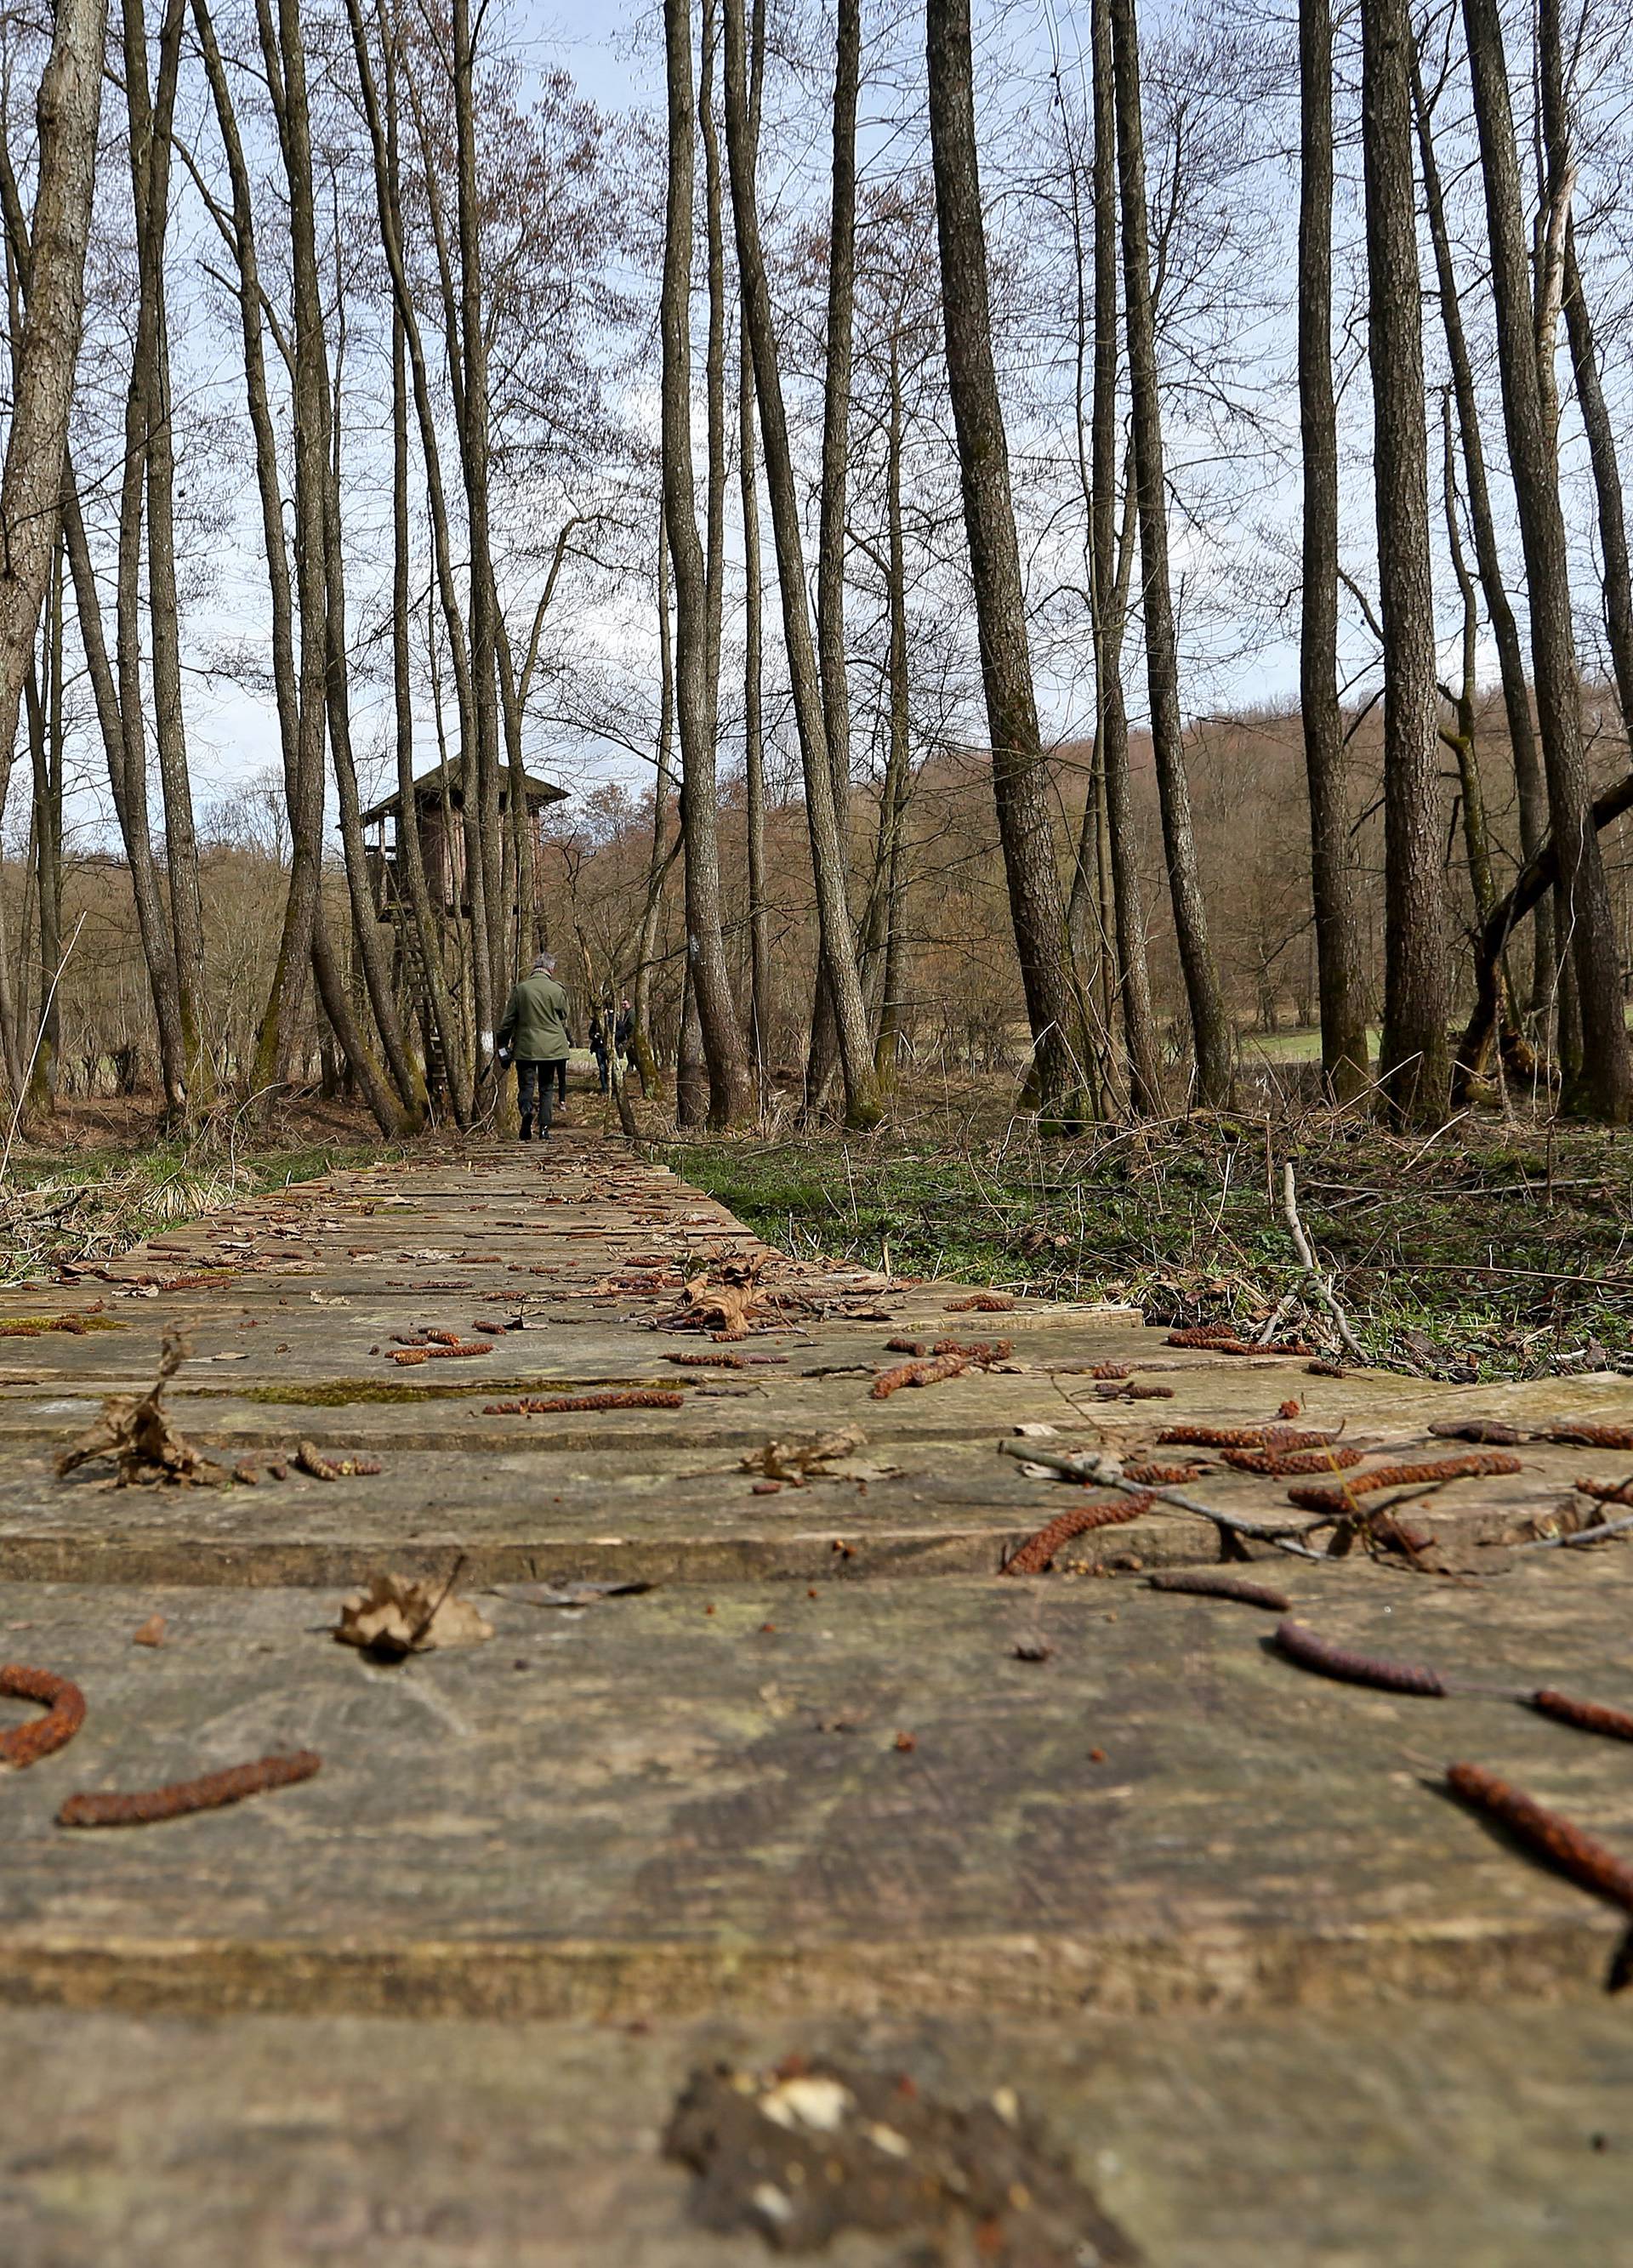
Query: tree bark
{"type": "Point", "coordinates": [1414, 1068]}
{"type": "Point", "coordinates": [1110, 566]}
{"type": "Point", "coordinates": [705, 946]}
{"type": "Point", "coordinates": [1603, 1086]}
{"type": "Point", "coordinates": [1345, 1069]}
{"type": "Point", "coordinates": [830, 534]}
{"type": "Point", "coordinates": [836, 933]}
{"type": "Point", "coordinates": [753, 638]}
{"type": "Point", "coordinates": [662, 853]}
{"type": "Point", "coordinates": [31, 482]}
{"type": "Point", "coordinates": [150, 476]}
{"type": "Point", "coordinates": [1037, 910]}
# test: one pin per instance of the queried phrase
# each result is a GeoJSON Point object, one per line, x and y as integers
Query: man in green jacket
{"type": "Point", "coordinates": [534, 1036]}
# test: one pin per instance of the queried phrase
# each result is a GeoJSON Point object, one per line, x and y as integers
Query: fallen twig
{"type": "Point", "coordinates": [1315, 1279]}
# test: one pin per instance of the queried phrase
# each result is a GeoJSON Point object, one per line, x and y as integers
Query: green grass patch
{"type": "Point", "coordinates": [1499, 1253]}
{"type": "Point", "coordinates": [79, 1205]}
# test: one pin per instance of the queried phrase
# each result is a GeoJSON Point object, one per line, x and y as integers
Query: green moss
{"type": "Point", "coordinates": [34, 1327]}
{"type": "Point", "coordinates": [330, 1394]}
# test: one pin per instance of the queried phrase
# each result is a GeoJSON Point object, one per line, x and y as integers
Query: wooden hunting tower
{"type": "Point", "coordinates": [439, 822]}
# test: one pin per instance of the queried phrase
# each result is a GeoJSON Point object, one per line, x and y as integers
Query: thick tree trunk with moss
{"type": "Point", "coordinates": [1603, 1086]}
{"type": "Point", "coordinates": [1414, 1066]}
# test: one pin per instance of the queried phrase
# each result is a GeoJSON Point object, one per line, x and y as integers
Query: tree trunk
{"type": "Point", "coordinates": [658, 866]}
{"type": "Point", "coordinates": [705, 946]}
{"type": "Point", "coordinates": [1414, 1068]}
{"type": "Point", "coordinates": [1210, 1024]}
{"type": "Point", "coordinates": [130, 793]}
{"type": "Point", "coordinates": [1109, 567]}
{"type": "Point", "coordinates": [1019, 775]}
{"type": "Point", "coordinates": [753, 638]}
{"type": "Point", "coordinates": [151, 464]}
{"type": "Point", "coordinates": [1601, 439]}
{"type": "Point", "coordinates": [1531, 788]}
{"type": "Point", "coordinates": [487, 899]}
{"type": "Point", "coordinates": [45, 737]}
{"type": "Point", "coordinates": [366, 927]}
{"type": "Point", "coordinates": [1345, 1069]}
{"type": "Point", "coordinates": [1605, 1086]}
{"type": "Point", "coordinates": [830, 536]}
{"type": "Point", "coordinates": [837, 934]}
{"type": "Point", "coordinates": [31, 482]}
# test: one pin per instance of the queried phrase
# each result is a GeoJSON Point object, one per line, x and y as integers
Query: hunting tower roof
{"type": "Point", "coordinates": [428, 791]}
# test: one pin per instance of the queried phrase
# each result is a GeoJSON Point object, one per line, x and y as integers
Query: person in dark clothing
{"type": "Point", "coordinates": [624, 1031]}
{"type": "Point", "coordinates": [534, 1036]}
{"type": "Point", "coordinates": [598, 1039]}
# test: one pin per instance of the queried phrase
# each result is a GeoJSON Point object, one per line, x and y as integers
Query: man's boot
{"type": "Point", "coordinates": [527, 1128]}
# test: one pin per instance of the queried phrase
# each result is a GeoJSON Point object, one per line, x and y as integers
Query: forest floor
{"type": "Point", "coordinates": [1493, 1250]}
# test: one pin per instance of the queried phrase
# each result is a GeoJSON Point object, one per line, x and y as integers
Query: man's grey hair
{"type": "Point", "coordinates": [545, 960]}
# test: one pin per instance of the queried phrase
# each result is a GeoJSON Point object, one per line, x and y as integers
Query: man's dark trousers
{"type": "Point", "coordinates": [535, 1084]}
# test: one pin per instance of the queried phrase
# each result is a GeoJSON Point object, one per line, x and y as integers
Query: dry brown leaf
{"type": "Point", "coordinates": [396, 1615]}
{"type": "Point", "coordinates": [803, 1454]}
{"type": "Point", "coordinates": [144, 1445]}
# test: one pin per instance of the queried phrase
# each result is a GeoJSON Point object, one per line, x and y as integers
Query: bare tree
{"type": "Point", "coordinates": [1019, 786]}
{"type": "Point", "coordinates": [1345, 1068]}
{"type": "Point", "coordinates": [1211, 1025]}
{"type": "Point", "coordinates": [1525, 335]}
{"type": "Point", "coordinates": [822, 817]}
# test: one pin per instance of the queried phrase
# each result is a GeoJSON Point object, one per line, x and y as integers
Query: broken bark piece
{"type": "Point", "coordinates": [1497, 1432]}
{"type": "Point", "coordinates": [151, 1633]}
